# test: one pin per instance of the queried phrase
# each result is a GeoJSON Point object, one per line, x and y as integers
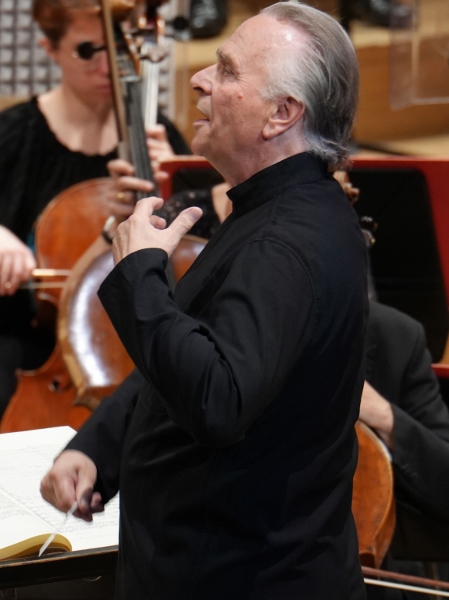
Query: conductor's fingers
{"type": "Point", "coordinates": [185, 221]}
{"type": "Point", "coordinates": [158, 222]}
{"type": "Point", "coordinates": [146, 206]}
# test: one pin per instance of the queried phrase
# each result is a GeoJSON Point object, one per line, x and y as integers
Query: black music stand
{"type": "Point", "coordinates": [62, 566]}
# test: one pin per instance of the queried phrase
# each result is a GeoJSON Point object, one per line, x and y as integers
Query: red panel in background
{"type": "Point", "coordinates": [436, 173]}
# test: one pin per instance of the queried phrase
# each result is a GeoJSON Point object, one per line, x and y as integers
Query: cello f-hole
{"type": "Point", "coordinates": [59, 384]}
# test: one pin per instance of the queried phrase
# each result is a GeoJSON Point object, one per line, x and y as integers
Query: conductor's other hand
{"type": "Point", "coordinates": [71, 479]}
{"type": "Point", "coordinates": [16, 262]}
{"type": "Point", "coordinates": [146, 230]}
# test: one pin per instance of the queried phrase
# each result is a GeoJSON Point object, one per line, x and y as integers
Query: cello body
{"type": "Point", "coordinates": [94, 355]}
{"type": "Point", "coordinates": [71, 222]}
{"type": "Point", "coordinates": [45, 397]}
{"type": "Point", "coordinates": [64, 236]}
{"type": "Point", "coordinates": [92, 351]}
{"type": "Point", "coordinates": [373, 498]}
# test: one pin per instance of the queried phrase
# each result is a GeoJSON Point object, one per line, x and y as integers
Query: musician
{"type": "Point", "coordinates": [237, 458]}
{"type": "Point", "coordinates": [401, 401]}
{"type": "Point", "coordinates": [47, 144]}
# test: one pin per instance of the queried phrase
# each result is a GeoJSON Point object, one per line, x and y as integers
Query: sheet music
{"type": "Point", "coordinates": [25, 457]}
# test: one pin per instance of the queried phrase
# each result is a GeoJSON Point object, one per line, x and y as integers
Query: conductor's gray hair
{"type": "Point", "coordinates": [324, 75]}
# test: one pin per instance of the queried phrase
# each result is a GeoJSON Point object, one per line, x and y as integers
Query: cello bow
{"type": "Point", "coordinates": [410, 583]}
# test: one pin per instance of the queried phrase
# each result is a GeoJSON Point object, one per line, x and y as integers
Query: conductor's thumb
{"type": "Point", "coordinates": [185, 221]}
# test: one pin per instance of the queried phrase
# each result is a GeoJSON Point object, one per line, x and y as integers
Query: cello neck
{"type": "Point", "coordinates": [137, 135]}
{"type": "Point", "coordinates": [127, 96]}
{"type": "Point", "coordinates": [150, 30]}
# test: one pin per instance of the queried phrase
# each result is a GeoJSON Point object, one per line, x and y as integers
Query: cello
{"type": "Point", "coordinates": [94, 355]}
{"type": "Point", "coordinates": [44, 396]}
{"type": "Point", "coordinates": [374, 514]}
{"type": "Point", "coordinates": [375, 520]}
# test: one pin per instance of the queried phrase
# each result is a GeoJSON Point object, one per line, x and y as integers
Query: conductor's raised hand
{"type": "Point", "coordinates": [72, 479]}
{"type": "Point", "coordinates": [144, 229]}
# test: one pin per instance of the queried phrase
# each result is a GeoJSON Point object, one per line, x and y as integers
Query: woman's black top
{"type": "Point", "coordinates": [34, 167]}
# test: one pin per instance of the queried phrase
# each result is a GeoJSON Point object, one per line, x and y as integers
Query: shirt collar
{"type": "Point", "coordinates": [263, 186]}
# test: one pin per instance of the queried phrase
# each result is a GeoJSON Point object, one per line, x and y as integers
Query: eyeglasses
{"type": "Point", "coordinates": [87, 50]}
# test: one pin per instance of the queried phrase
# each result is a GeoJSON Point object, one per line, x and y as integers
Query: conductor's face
{"type": "Point", "coordinates": [232, 133]}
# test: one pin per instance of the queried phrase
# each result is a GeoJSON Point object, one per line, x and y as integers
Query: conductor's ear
{"type": "Point", "coordinates": [287, 113]}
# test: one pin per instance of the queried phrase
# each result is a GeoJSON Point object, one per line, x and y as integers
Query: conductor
{"type": "Point", "coordinates": [235, 458]}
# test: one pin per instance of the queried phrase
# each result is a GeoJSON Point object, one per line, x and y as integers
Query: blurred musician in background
{"type": "Point", "coordinates": [402, 403]}
{"type": "Point", "coordinates": [48, 144]}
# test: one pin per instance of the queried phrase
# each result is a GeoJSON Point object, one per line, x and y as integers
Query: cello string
{"type": "Point", "coordinates": [139, 150]}
{"type": "Point", "coordinates": [150, 87]}
{"type": "Point", "coordinates": [138, 137]}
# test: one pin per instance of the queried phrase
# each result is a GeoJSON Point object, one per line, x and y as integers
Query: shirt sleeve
{"type": "Point", "coordinates": [215, 371]}
{"type": "Point", "coordinates": [101, 437]}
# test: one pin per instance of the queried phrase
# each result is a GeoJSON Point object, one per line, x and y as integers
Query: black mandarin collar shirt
{"type": "Point", "coordinates": [264, 185]}
{"type": "Point", "coordinates": [235, 460]}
